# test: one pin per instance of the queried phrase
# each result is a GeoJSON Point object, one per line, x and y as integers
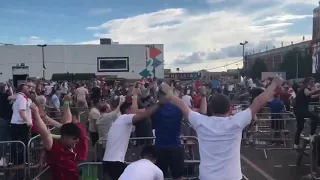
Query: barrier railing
{"type": "Point", "coordinates": [13, 161]}
{"type": "Point", "coordinates": [272, 132]}
{"type": "Point", "coordinates": [313, 155]}
{"type": "Point", "coordinates": [93, 170]}
{"type": "Point", "coordinates": [190, 144]}
{"type": "Point", "coordinates": [36, 156]}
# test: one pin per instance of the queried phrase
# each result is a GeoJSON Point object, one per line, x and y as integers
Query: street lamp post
{"type": "Point", "coordinates": [43, 65]}
{"type": "Point", "coordinates": [243, 45]}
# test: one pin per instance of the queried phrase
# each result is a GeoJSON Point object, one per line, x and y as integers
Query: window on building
{"type": "Point", "coordinates": [113, 64]}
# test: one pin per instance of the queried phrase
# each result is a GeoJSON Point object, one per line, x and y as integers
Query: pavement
{"type": "Point", "coordinates": [280, 165]}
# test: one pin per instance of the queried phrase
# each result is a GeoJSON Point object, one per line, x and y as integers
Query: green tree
{"type": "Point", "coordinates": [300, 59]}
{"type": "Point", "coordinates": [257, 68]}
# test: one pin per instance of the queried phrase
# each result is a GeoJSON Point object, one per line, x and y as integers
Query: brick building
{"type": "Point", "coordinates": [274, 57]}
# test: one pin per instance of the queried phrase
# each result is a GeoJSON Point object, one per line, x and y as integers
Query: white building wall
{"type": "Point", "coordinates": [75, 59]}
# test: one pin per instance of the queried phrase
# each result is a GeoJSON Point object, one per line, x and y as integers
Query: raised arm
{"type": "Point", "coordinates": [175, 99]}
{"type": "Point", "coordinates": [66, 117]}
{"type": "Point", "coordinates": [264, 97]}
{"type": "Point", "coordinates": [141, 114]}
{"type": "Point", "coordinates": [49, 120]}
{"type": "Point", "coordinates": [145, 114]}
{"type": "Point", "coordinates": [43, 130]}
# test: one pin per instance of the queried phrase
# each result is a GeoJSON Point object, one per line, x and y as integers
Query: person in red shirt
{"type": "Point", "coordinates": [60, 155]}
{"type": "Point", "coordinates": [70, 115]}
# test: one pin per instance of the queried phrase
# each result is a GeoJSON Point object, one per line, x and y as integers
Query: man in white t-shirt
{"type": "Point", "coordinates": [119, 136]}
{"type": "Point", "coordinates": [21, 119]}
{"type": "Point", "coordinates": [220, 135]}
{"type": "Point", "coordinates": [144, 169]}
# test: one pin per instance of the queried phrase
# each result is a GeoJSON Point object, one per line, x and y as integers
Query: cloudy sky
{"type": "Point", "coordinates": [197, 34]}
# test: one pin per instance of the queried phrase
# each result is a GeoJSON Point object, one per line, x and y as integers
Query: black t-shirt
{"type": "Point", "coordinates": [302, 101]}
{"type": "Point", "coordinates": [95, 92]}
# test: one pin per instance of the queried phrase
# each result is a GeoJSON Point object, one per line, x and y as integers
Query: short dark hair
{"type": "Point", "coordinates": [149, 152]}
{"type": "Point", "coordinates": [70, 129]}
{"type": "Point", "coordinates": [124, 107]}
{"type": "Point", "coordinates": [219, 104]}
{"type": "Point", "coordinates": [20, 87]}
{"type": "Point", "coordinates": [115, 102]}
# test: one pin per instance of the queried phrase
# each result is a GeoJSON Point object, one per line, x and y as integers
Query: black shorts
{"type": "Point", "coordinates": [173, 158]}
{"type": "Point", "coordinates": [113, 169]}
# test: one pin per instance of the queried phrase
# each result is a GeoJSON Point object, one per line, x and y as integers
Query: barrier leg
{"type": "Point", "coordinates": [301, 152]}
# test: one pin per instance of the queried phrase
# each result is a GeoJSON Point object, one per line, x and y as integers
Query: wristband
{"type": "Point", "coordinates": [170, 93]}
{"type": "Point", "coordinates": [67, 103]}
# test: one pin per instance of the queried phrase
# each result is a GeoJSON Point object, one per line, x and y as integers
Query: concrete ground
{"type": "Point", "coordinates": [280, 165]}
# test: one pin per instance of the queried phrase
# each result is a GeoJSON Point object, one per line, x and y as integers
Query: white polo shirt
{"type": "Point", "coordinates": [21, 103]}
{"type": "Point", "coordinates": [219, 144]}
{"type": "Point", "coordinates": [142, 169]}
{"type": "Point", "coordinates": [118, 138]}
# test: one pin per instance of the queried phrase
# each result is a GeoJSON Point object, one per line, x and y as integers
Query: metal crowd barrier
{"type": "Point", "coordinates": [189, 143]}
{"type": "Point", "coordinates": [187, 129]}
{"type": "Point", "coordinates": [36, 157]}
{"type": "Point", "coordinates": [313, 156]}
{"type": "Point", "coordinates": [272, 131]}
{"type": "Point", "coordinates": [13, 162]}
{"type": "Point", "coordinates": [93, 170]}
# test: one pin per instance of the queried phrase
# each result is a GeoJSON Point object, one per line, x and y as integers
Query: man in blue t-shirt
{"type": "Point", "coordinates": [167, 130]}
{"type": "Point", "coordinates": [276, 108]}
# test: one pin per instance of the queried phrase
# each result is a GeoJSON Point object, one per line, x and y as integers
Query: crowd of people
{"type": "Point", "coordinates": [147, 108]}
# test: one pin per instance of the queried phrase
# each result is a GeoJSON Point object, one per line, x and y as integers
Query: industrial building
{"type": "Point", "coordinates": [129, 61]}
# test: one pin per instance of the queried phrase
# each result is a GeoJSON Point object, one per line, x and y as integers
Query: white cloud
{"type": "Point", "coordinates": [99, 11]}
{"type": "Point", "coordinates": [35, 40]}
{"type": "Point", "coordinates": [32, 40]}
{"type": "Point", "coordinates": [184, 33]}
{"type": "Point", "coordinates": [286, 17]}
